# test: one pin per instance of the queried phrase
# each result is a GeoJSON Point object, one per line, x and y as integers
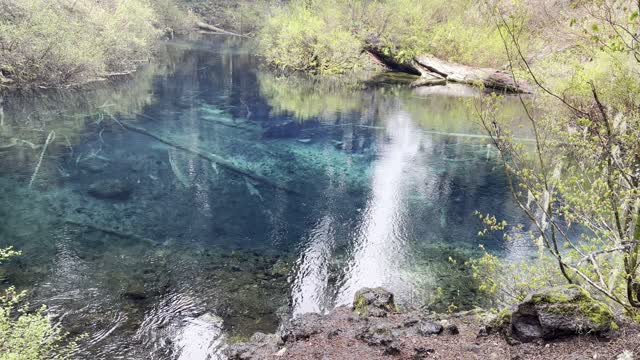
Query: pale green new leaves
{"type": "Point", "coordinates": [26, 334]}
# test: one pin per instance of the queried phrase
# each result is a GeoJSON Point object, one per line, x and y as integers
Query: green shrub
{"type": "Point", "coordinates": [329, 36]}
{"type": "Point", "coordinates": [299, 37]}
{"type": "Point", "coordinates": [25, 334]}
{"type": "Point", "coordinates": [172, 18]}
{"type": "Point", "coordinates": [52, 42]}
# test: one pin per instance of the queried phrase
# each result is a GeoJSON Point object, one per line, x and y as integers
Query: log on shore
{"type": "Point", "coordinates": [389, 62]}
{"type": "Point", "coordinates": [434, 71]}
{"type": "Point", "coordinates": [495, 79]}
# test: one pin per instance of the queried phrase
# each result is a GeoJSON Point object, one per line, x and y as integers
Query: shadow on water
{"type": "Point", "coordinates": [205, 199]}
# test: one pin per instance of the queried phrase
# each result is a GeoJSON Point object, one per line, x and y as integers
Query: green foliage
{"type": "Point", "coordinates": [307, 37]}
{"type": "Point", "coordinates": [54, 42]}
{"type": "Point", "coordinates": [329, 37]}
{"type": "Point", "coordinates": [171, 17]}
{"type": "Point", "coordinates": [29, 335]}
{"type": "Point", "coordinates": [506, 283]}
{"type": "Point", "coordinates": [7, 253]}
{"type": "Point", "coordinates": [582, 173]}
{"type": "Point", "coordinates": [25, 334]}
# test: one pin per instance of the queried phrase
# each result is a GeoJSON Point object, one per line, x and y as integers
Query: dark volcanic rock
{"type": "Point", "coordinates": [114, 189]}
{"type": "Point", "coordinates": [426, 328]}
{"type": "Point", "coordinates": [560, 311]}
{"type": "Point", "coordinates": [378, 335]}
{"type": "Point", "coordinates": [376, 302]}
{"type": "Point", "coordinates": [451, 329]}
{"type": "Point", "coordinates": [341, 334]}
{"type": "Point", "coordinates": [302, 327]}
{"type": "Point", "coordinates": [422, 352]}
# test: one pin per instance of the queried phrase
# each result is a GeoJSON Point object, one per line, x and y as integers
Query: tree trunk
{"type": "Point", "coordinates": [489, 78]}
{"type": "Point", "coordinates": [434, 71]}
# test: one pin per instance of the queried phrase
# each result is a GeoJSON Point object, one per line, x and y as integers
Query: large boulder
{"type": "Point", "coordinates": [560, 311]}
{"type": "Point", "coordinates": [376, 302]}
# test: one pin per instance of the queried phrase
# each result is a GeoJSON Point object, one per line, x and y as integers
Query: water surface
{"type": "Point", "coordinates": [247, 197]}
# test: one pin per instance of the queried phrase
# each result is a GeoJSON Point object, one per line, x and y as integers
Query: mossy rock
{"type": "Point", "coordinates": [376, 302]}
{"type": "Point", "coordinates": [560, 311]}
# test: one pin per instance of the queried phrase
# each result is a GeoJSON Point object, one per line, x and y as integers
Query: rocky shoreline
{"type": "Point", "coordinates": [559, 323]}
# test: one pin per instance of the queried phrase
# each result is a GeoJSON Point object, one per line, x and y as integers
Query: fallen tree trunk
{"type": "Point", "coordinates": [214, 29]}
{"type": "Point", "coordinates": [434, 71]}
{"type": "Point", "coordinates": [489, 78]}
{"type": "Point", "coordinates": [389, 62]}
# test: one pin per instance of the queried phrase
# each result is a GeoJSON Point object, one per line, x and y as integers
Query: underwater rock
{"type": "Point", "coordinates": [135, 291]}
{"type": "Point", "coordinates": [259, 343]}
{"type": "Point", "coordinates": [376, 302]}
{"type": "Point", "coordinates": [280, 268]}
{"type": "Point", "coordinates": [560, 311]}
{"type": "Point", "coordinates": [115, 189]}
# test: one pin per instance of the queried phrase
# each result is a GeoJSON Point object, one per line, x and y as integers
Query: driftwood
{"type": "Point", "coordinates": [430, 67]}
{"type": "Point", "coordinates": [213, 158]}
{"type": "Point", "coordinates": [216, 30]}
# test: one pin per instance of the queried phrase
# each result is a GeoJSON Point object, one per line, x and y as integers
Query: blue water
{"type": "Point", "coordinates": [247, 198]}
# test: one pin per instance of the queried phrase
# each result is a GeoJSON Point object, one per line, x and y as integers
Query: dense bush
{"type": "Point", "coordinates": [53, 42]}
{"type": "Point", "coordinates": [26, 334]}
{"type": "Point", "coordinates": [579, 185]}
{"type": "Point", "coordinates": [329, 37]}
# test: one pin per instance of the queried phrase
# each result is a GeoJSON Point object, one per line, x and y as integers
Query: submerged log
{"type": "Point", "coordinates": [113, 232]}
{"type": "Point", "coordinates": [12, 143]}
{"type": "Point", "coordinates": [213, 158]}
{"type": "Point", "coordinates": [489, 78]}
